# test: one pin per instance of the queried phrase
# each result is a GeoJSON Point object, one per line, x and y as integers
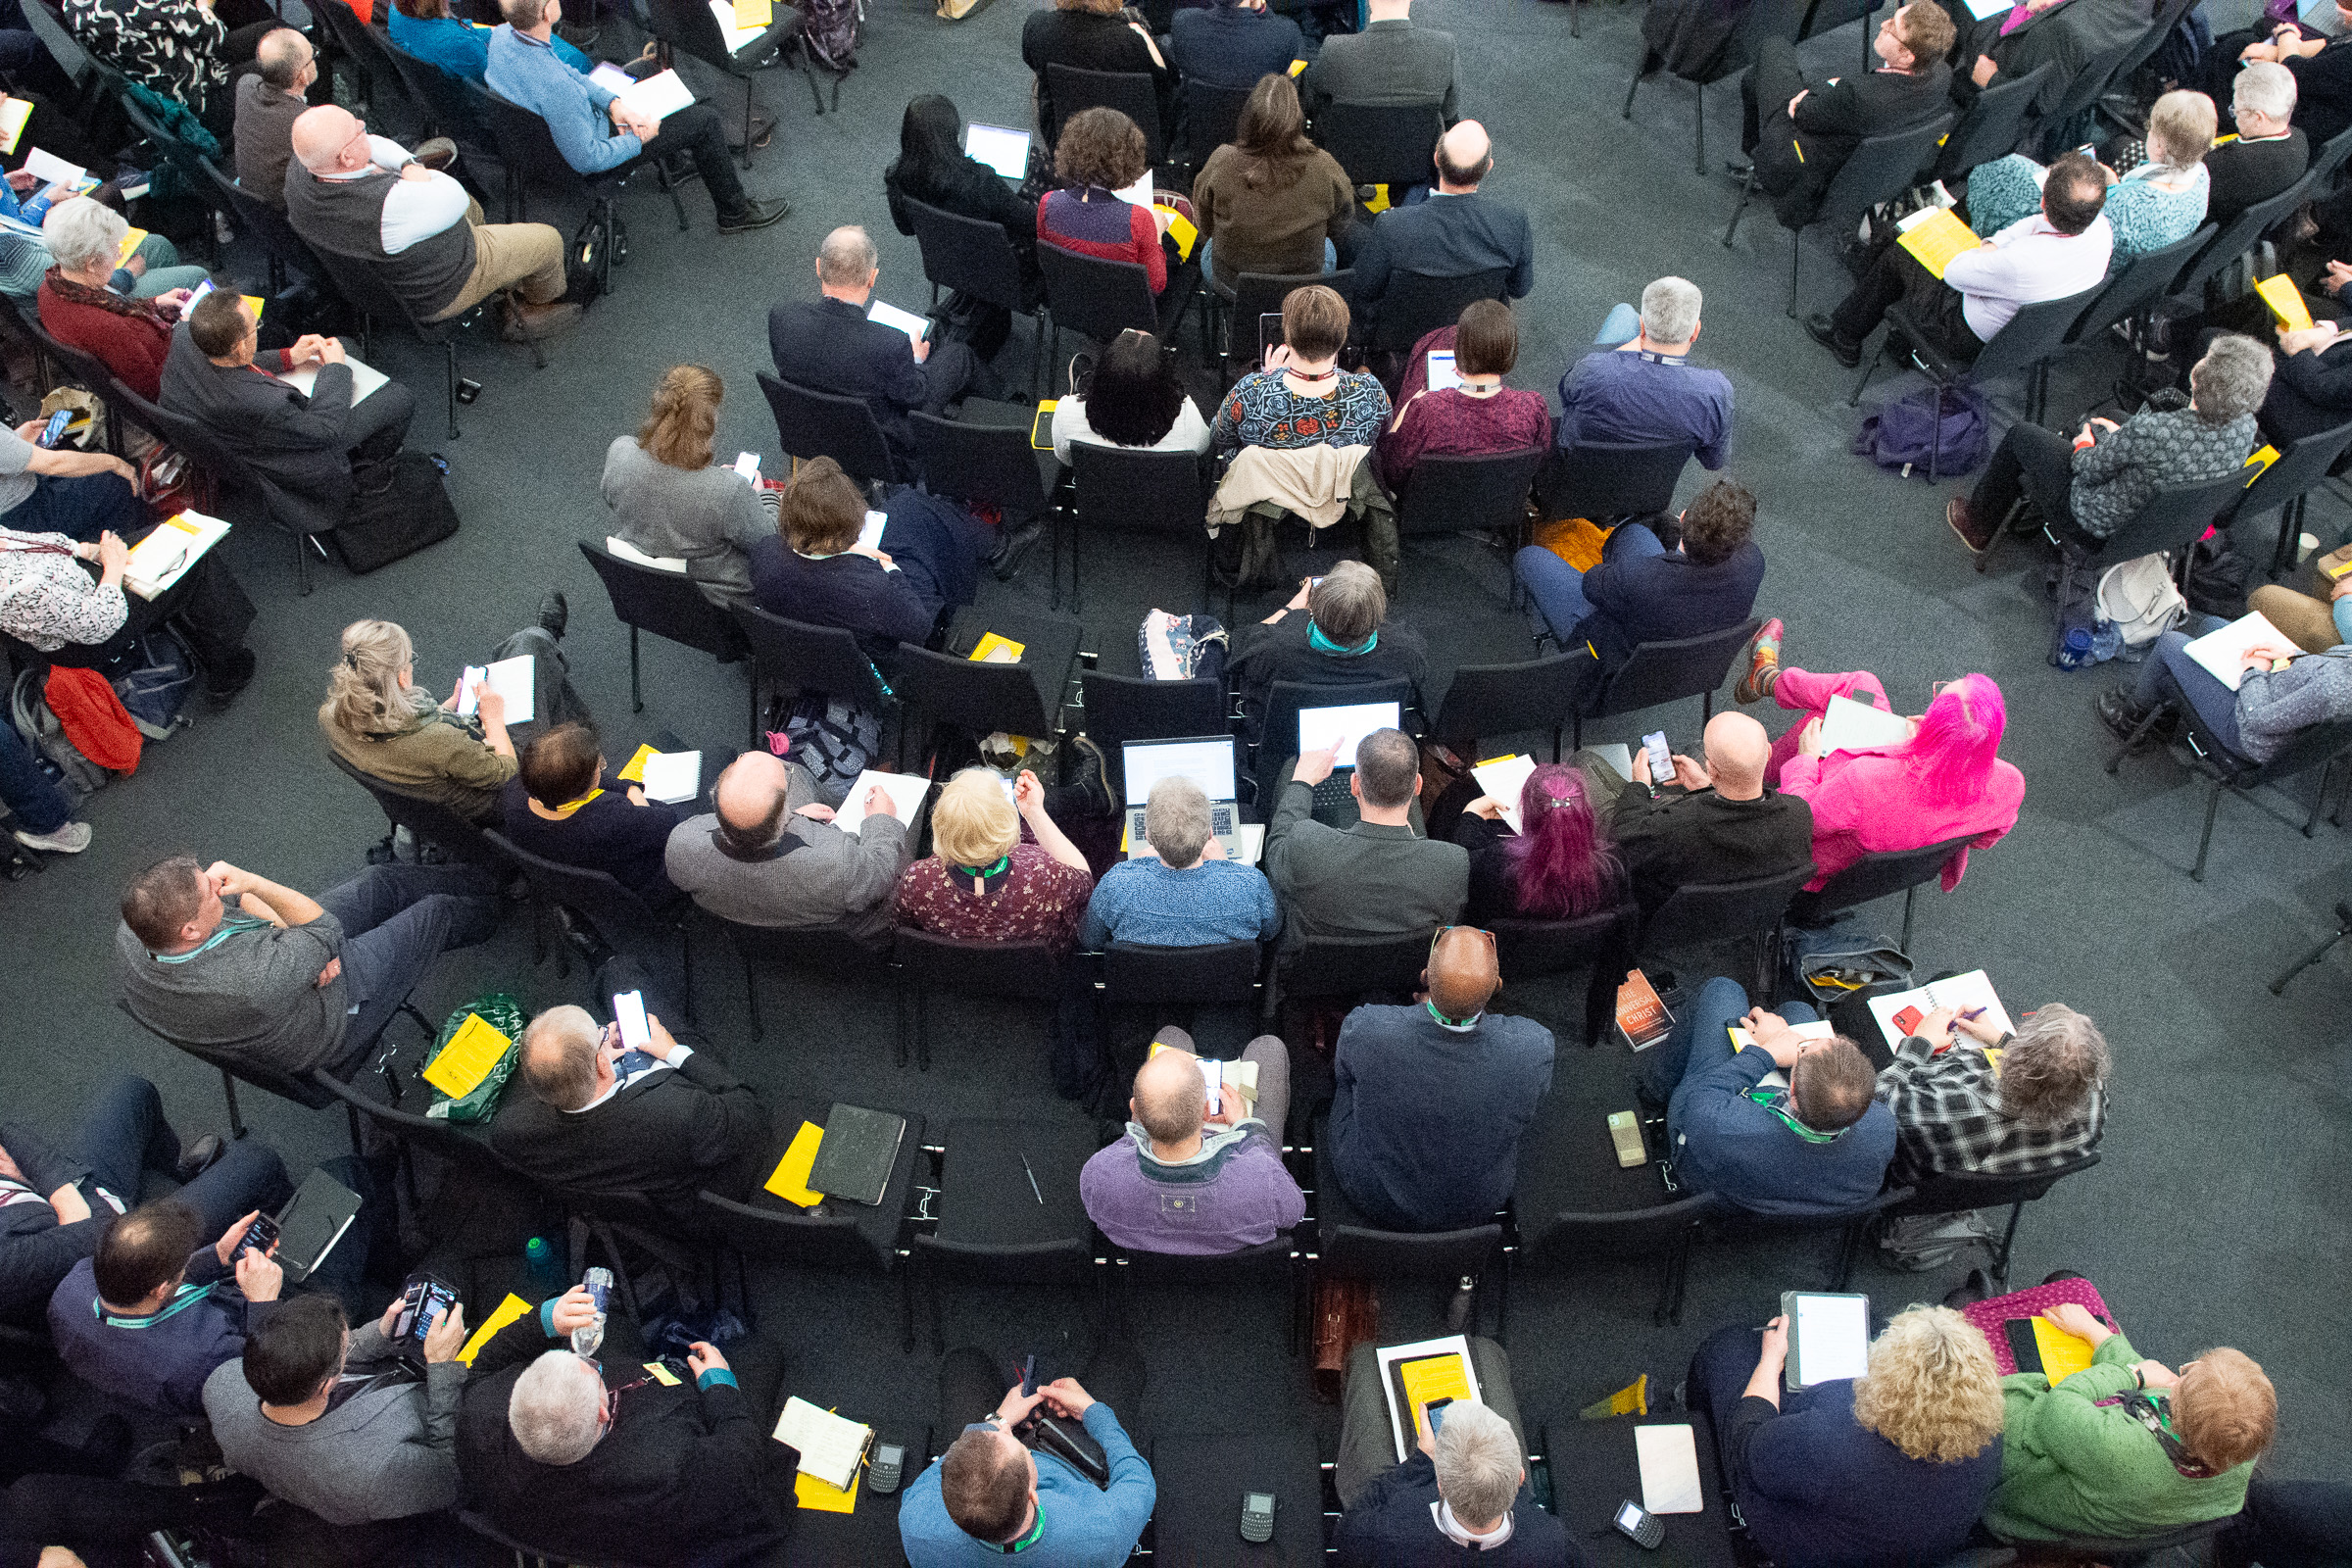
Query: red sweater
{"type": "Point", "coordinates": [1113, 229]}
{"type": "Point", "coordinates": [131, 346]}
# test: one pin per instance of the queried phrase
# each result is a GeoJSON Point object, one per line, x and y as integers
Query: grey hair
{"type": "Point", "coordinates": [522, 15]}
{"type": "Point", "coordinates": [2180, 129]}
{"type": "Point", "coordinates": [80, 232]}
{"type": "Point", "coordinates": [1478, 1464]}
{"type": "Point", "coordinates": [1670, 310]}
{"type": "Point", "coordinates": [556, 1409]}
{"type": "Point", "coordinates": [846, 258]}
{"type": "Point", "coordinates": [1349, 603]}
{"type": "Point", "coordinates": [2230, 380]}
{"type": "Point", "coordinates": [2053, 1066]}
{"type": "Point", "coordinates": [1176, 821]}
{"type": "Point", "coordinates": [2265, 87]}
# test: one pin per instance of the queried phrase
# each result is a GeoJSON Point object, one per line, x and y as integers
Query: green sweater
{"type": "Point", "coordinates": [2071, 1466]}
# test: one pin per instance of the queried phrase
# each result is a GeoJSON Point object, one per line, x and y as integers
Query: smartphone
{"type": "Point", "coordinates": [1639, 1526]}
{"type": "Point", "coordinates": [1434, 1410]}
{"type": "Point", "coordinates": [196, 296]}
{"type": "Point", "coordinates": [1269, 333]}
{"type": "Point", "coordinates": [55, 428]}
{"type": "Point", "coordinates": [1662, 760]}
{"type": "Point", "coordinates": [422, 1304]}
{"type": "Point", "coordinates": [628, 1011]}
{"type": "Point", "coordinates": [1625, 1135]}
{"type": "Point", "coordinates": [1257, 1517]}
{"type": "Point", "coordinates": [260, 1235]}
{"type": "Point", "coordinates": [1909, 1019]}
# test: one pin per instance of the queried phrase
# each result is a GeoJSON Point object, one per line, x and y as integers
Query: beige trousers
{"type": "Point", "coordinates": [507, 256]}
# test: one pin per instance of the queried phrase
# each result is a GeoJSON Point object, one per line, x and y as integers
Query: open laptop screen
{"type": "Point", "coordinates": [1206, 761]}
{"type": "Point", "coordinates": [1319, 727]}
{"type": "Point", "coordinates": [1004, 150]}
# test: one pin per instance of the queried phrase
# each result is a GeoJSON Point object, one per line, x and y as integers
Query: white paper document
{"type": "Point", "coordinates": [51, 169]}
{"type": "Point", "coordinates": [658, 96]}
{"type": "Point", "coordinates": [630, 553]}
{"type": "Point", "coordinates": [1668, 1454]}
{"type": "Point", "coordinates": [2223, 652]}
{"type": "Point", "coordinates": [673, 777]}
{"type": "Point", "coordinates": [906, 791]}
{"type": "Point", "coordinates": [916, 327]}
{"type": "Point", "coordinates": [829, 1445]}
{"type": "Point", "coordinates": [1831, 1338]}
{"type": "Point", "coordinates": [364, 378]}
{"type": "Point", "coordinates": [1850, 726]}
{"type": "Point", "coordinates": [738, 38]}
{"type": "Point", "coordinates": [512, 678]}
{"type": "Point", "coordinates": [1441, 374]}
{"type": "Point", "coordinates": [165, 556]}
{"type": "Point", "coordinates": [1504, 780]}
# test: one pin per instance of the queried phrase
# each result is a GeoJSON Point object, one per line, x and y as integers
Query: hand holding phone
{"type": "Point", "coordinates": [1661, 759]}
{"type": "Point", "coordinates": [55, 428]}
{"type": "Point", "coordinates": [628, 1012]}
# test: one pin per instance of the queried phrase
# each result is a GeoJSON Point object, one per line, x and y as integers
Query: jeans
{"type": "Point", "coordinates": [2216, 704]}
{"type": "Point", "coordinates": [698, 131]}
{"type": "Point", "coordinates": [1623, 325]}
{"type": "Point", "coordinates": [125, 1140]}
{"type": "Point", "coordinates": [396, 920]}
{"type": "Point", "coordinates": [80, 508]}
{"type": "Point", "coordinates": [38, 806]}
{"type": "Point", "coordinates": [1559, 589]}
{"type": "Point", "coordinates": [1666, 1065]}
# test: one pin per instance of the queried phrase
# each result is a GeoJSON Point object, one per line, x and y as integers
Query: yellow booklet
{"type": "Point", "coordinates": [997, 649]}
{"type": "Point", "coordinates": [1297, 68]}
{"type": "Point", "coordinates": [1933, 236]}
{"type": "Point", "coordinates": [754, 14]}
{"type": "Point", "coordinates": [1041, 428]}
{"type": "Point", "coordinates": [512, 1307]}
{"type": "Point", "coordinates": [633, 771]}
{"type": "Point", "coordinates": [1182, 232]}
{"type": "Point", "coordinates": [1433, 1377]}
{"type": "Point", "coordinates": [823, 1496]}
{"type": "Point", "coordinates": [13, 116]}
{"type": "Point", "coordinates": [131, 241]}
{"type": "Point", "coordinates": [467, 1059]}
{"type": "Point", "coordinates": [2063, 1354]}
{"type": "Point", "coordinates": [790, 1179]}
{"type": "Point", "coordinates": [2285, 301]}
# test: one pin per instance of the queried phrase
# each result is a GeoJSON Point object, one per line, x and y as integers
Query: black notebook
{"type": "Point", "coordinates": [313, 1221]}
{"type": "Point", "coordinates": [855, 1158]}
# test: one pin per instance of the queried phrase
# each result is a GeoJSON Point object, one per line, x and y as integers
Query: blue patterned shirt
{"type": "Point", "coordinates": [1142, 903]}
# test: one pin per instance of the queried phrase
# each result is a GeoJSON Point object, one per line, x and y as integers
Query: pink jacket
{"type": "Point", "coordinates": [1866, 801]}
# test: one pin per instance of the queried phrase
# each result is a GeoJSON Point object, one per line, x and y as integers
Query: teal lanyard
{"type": "Point", "coordinates": [1776, 1102]}
{"type": "Point", "coordinates": [1324, 645]}
{"type": "Point", "coordinates": [230, 925]}
{"type": "Point", "coordinates": [1465, 1026]}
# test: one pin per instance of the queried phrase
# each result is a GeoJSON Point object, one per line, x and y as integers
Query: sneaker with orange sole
{"type": "Point", "coordinates": [1763, 665]}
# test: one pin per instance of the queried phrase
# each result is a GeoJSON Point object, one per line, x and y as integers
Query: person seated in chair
{"type": "Point", "coordinates": [283, 981]}
{"type": "Point", "coordinates": [1335, 631]}
{"type": "Point", "coordinates": [270, 100]}
{"type": "Point", "coordinates": [2282, 691]}
{"type": "Point", "coordinates": [1956, 1115]}
{"type": "Point", "coordinates": [1561, 865]}
{"type": "Point", "coordinates": [1270, 200]}
{"type": "Point", "coordinates": [663, 1121]}
{"type": "Point", "coordinates": [1455, 233]}
{"type": "Point", "coordinates": [2148, 208]}
{"type": "Point", "coordinates": [933, 169]}
{"type": "Point", "coordinates": [1098, 154]}
{"type": "Point", "coordinates": [1179, 890]}
{"type": "Point", "coordinates": [557, 807]}
{"type": "Point", "coordinates": [1431, 1098]}
{"type": "Point", "coordinates": [1097, 35]}
{"type": "Point", "coordinates": [1189, 1180]}
{"type": "Point", "coordinates": [1232, 43]}
{"type": "Point", "coordinates": [1478, 414]}
{"type": "Point", "coordinates": [428, 30]}
{"type": "Point", "coordinates": [1389, 61]}
{"type": "Point", "coordinates": [1817, 1146]}
{"type": "Point", "coordinates": [1801, 136]}
{"type": "Point", "coordinates": [2268, 154]}
{"type": "Point", "coordinates": [2128, 1447]}
{"type": "Point", "coordinates": [1378, 877]}
{"type": "Point", "coordinates": [152, 270]}
{"type": "Point", "coordinates": [1132, 397]}
{"type": "Point", "coordinates": [1890, 1467]}
{"type": "Point", "coordinates": [130, 335]}
{"type": "Point", "coordinates": [1713, 822]}
{"type": "Point", "coordinates": [1461, 1497]}
{"type": "Point", "coordinates": [1303, 399]}
{"type": "Point", "coordinates": [646, 1470]}
{"type": "Point", "coordinates": [59, 1193]}
{"type": "Point", "coordinates": [1639, 389]}
{"type": "Point", "coordinates": [1641, 591]}
{"type": "Point", "coordinates": [672, 501]}
{"type": "Point", "coordinates": [768, 853]}
{"type": "Point", "coordinates": [380, 721]}
{"type": "Point", "coordinates": [999, 870]}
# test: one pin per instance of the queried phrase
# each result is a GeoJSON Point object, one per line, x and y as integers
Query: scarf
{"type": "Point", "coordinates": [103, 299]}
{"type": "Point", "coordinates": [1324, 645]}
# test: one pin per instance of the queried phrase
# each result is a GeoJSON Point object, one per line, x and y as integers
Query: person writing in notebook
{"type": "Point", "coordinates": [769, 853]}
{"type": "Point", "coordinates": [1379, 876]}
{"type": "Point", "coordinates": [1971, 1098]}
{"type": "Point", "coordinates": [1189, 1180]}
{"type": "Point", "coordinates": [2282, 692]}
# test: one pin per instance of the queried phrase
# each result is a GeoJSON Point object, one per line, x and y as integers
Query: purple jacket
{"type": "Point", "coordinates": [1234, 1194]}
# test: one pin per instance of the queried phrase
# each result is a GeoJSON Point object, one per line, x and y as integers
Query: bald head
{"type": "Point", "coordinates": [284, 57]}
{"type": "Point", "coordinates": [750, 798]}
{"type": "Point", "coordinates": [1463, 974]}
{"type": "Point", "coordinates": [1465, 155]}
{"type": "Point", "coordinates": [329, 140]}
{"type": "Point", "coordinates": [1171, 1098]}
{"type": "Point", "coordinates": [847, 259]}
{"type": "Point", "coordinates": [1737, 750]}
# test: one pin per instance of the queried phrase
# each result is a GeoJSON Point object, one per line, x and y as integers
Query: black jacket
{"type": "Point", "coordinates": [1263, 654]}
{"type": "Point", "coordinates": [2324, 90]}
{"type": "Point", "coordinates": [665, 1136]}
{"type": "Point", "coordinates": [969, 188]}
{"type": "Point", "coordinates": [1836, 117]}
{"type": "Point", "coordinates": [1647, 599]}
{"type": "Point", "coordinates": [828, 345]}
{"type": "Point", "coordinates": [1232, 46]}
{"type": "Point", "coordinates": [1090, 42]}
{"type": "Point", "coordinates": [1682, 839]}
{"type": "Point", "coordinates": [35, 1250]}
{"type": "Point", "coordinates": [1391, 1527]}
{"type": "Point", "coordinates": [2244, 172]}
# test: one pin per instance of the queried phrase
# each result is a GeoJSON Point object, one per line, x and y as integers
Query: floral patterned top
{"type": "Point", "coordinates": [1034, 898]}
{"type": "Point", "coordinates": [47, 598]}
{"type": "Point", "coordinates": [1261, 411]}
{"type": "Point", "coordinates": [172, 47]}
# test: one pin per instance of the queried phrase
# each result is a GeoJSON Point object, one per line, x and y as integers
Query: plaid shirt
{"type": "Point", "coordinates": [1948, 1119]}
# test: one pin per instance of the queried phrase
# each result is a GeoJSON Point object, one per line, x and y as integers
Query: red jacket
{"type": "Point", "coordinates": [131, 346]}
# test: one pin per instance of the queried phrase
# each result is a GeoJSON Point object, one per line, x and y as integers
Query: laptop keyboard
{"type": "Point", "coordinates": [1332, 794]}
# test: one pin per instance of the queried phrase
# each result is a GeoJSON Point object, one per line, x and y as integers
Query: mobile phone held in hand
{"type": "Point", "coordinates": [1662, 760]}
{"type": "Point", "coordinates": [1028, 1376]}
{"type": "Point", "coordinates": [55, 430]}
{"type": "Point", "coordinates": [628, 1011]}
{"type": "Point", "coordinates": [259, 1236]}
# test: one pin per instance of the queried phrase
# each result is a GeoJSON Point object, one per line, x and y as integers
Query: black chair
{"type": "Point", "coordinates": [826, 1241]}
{"type": "Point", "coordinates": [1557, 1241]}
{"type": "Point", "coordinates": [1602, 480]}
{"type": "Point", "coordinates": [413, 1132]}
{"type": "Point", "coordinates": [1847, 1229]}
{"type": "Point", "coordinates": [2120, 102]}
{"type": "Point", "coordinates": [1450, 493]}
{"type": "Point", "coordinates": [976, 257]}
{"type": "Point", "coordinates": [1131, 92]}
{"type": "Point", "coordinates": [428, 820]}
{"type": "Point", "coordinates": [1221, 973]}
{"type": "Point", "coordinates": [827, 424]}
{"type": "Point", "coordinates": [792, 656]}
{"type": "Point", "coordinates": [380, 86]}
{"type": "Point", "coordinates": [984, 465]}
{"type": "Point", "coordinates": [1279, 734]}
{"type": "Point", "coordinates": [302, 519]}
{"type": "Point", "coordinates": [1667, 672]}
{"type": "Point", "coordinates": [990, 1230]}
{"type": "Point", "coordinates": [1322, 969]}
{"type": "Point", "coordinates": [1879, 875]}
{"type": "Point", "coordinates": [2174, 517]}
{"type": "Point", "coordinates": [1749, 910]}
{"type": "Point", "coordinates": [1529, 950]}
{"type": "Point", "coordinates": [2320, 747]}
{"type": "Point", "coordinates": [827, 950]}
{"type": "Point", "coordinates": [1216, 1276]}
{"type": "Point", "coordinates": [1210, 113]}
{"type": "Point", "coordinates": [975, 698]}
{"type": "Point", "coordinates": [1383, 144]}
{"type": "Point", "coordinates": [2287, 483]}
{"type": "Point", "coordinates": [1416, 304]}
{"type": "Point", "coordinates": [2090, 83]}
{"type": "Point", "coordinates": [455, 106]}
{"type": "Point", "coordinates": [1488, 701]}
{"type": "Point", "coordinates": [597, 900]}
{"type": "Point", "coordinates": [1878, 171]}
{"type": "Point", "coordinates": [1961, 1191]}
{"type": "Point", "coordinates": [527, 151]}
{"type": "Point", "coordinates": [2240, 236]}
{"type": "Point", "coordinates": [1255, 295]}
{"type": "Point", "coordinates": [301, 1087]}
{"type": "Point", "coordinates": [1096, 298]}
{"type": "Point", "coordinates": [365, 288]}
{"type": "Point", "coordinates": [2138, 285]}
{"type": "Point", "coordinates": [667, 603]}
{"type": "Point", "coordinates": [689, 27]}
{"type": "Point", "coordinates": [182, 159]}
{"type": "Point", "coordinates": [1765, 18]}
{"type": "Point", "coordinates": [1992, 127]}
{"type": "Point", "coordinates": [268, 224]}
{"type": "Point", "coordinates": [2023, 347]}
{"type": "Point", "coordinates": [1027, 971]}
{"type": "Point", "coordinates": [2326, 945]}
{"type": "Point", "coordinates": [1135, 490]}
{"type": "Point", "coordinates": [1350, 1247]}
{"type": "Point", "coordinates": [1119, 709]}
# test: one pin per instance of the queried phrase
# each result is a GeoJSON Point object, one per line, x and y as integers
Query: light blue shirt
{"type": "Point", "coordinates": [526, 72]}
{"type": "Point", "coordinates": [1143, 902]}
{"type": "Point", "coordinates": [1083, 1528]}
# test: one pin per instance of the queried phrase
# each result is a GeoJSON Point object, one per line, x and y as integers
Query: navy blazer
{"type": "Point", "coordinates": [1228, 46]}
{"type": "Point", "coordinates": [1649, 599]}
{"type": "Point", "coordinates": [1445, 236]}
{"type": "Point", "coordinates": [828, 345]}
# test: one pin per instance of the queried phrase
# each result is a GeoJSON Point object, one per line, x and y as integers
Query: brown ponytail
{"type": "Point", "coordinates": [684, 417]}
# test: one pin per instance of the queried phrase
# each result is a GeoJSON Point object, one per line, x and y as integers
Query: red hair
{"type": "Point", "coordinates": [1562, 865]}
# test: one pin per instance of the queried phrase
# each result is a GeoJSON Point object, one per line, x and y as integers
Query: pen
{"type": "Point", "coordinates": [1039, 1196]}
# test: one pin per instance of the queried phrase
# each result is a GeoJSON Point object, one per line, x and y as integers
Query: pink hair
{"type": "Point", "coordinates": [1563, 865]}
{"type": "Point", "coordinates": [1958, 741]}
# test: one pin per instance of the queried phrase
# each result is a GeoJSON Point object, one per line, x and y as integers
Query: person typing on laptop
{"type": "Point", "coordinates": [1179, 890]}
{"type": "Point", "coordinates": [1380, 877]}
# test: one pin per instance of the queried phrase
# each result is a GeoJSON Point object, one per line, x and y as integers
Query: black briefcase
{"type": "Point", "coordinates": [397, 506]}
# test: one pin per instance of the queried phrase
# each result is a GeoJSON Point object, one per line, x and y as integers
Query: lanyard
{"type": "Point", "coordinates": [1030, 1540]}
{"type": "Point", "coordinates": [570, 807]}
{"type": "Point", "coordinates": [981, 873]}
{"type": "Point", "coordinates": [1775, 1100]}
{"type": "Point", "coordinates": [1462, 1027]}
{"type": "Point", "coordinates": [1324, 645]}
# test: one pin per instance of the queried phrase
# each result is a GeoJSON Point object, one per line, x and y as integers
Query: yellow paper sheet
{"type": "Point", "coordinates": [1433, 1377]}
{"type": "Point", "coordinates": [2285, 301]}
{"type": "Point", "coordinates": [997, 649]}
{"type": "Point", "coordinates": [1933, 241]}
{"type": "Point", "coordinates": [1182, 232]}
{"type": "Point", "coordinates": [633, 772]}
{"type": "Point", "coordinates": [662, 1374]}
{"type": "Point", "coordinates": [1297, 68]}
{"type": "Point", "coordinates": [2063, 1354]}
{"type": "Point", "coordinates": [13, 116]}
{"type": "Point", "coordinates": [790, 1179]}
{"type": "Point", "coordinates": [131, 241]}
{"type": "Point", "coordinates": [512, 1307]}
{"type": "Point", "coordinates": [2260, 460]}
{"type": "Point", "coordinates": [811, 1492]}
{"type": "Point", "coordinates": [754, 14]}
{"type": "Point", "coordinates": [468, 1058]}
{"type": "Point", "coordinates": [1379, 201]}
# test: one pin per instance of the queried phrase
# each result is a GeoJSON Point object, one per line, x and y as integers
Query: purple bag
{"type": "Point", "coordinates": [1938, 431]}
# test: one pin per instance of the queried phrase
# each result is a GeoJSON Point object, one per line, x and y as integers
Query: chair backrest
{"type": "Point", "coordinates": [1026, 970]}
{"type": "Point", "coordinates": [1602, 479]}
{"type": "Point", "coordinates": [2142, 280]}
{"type": "Point", "coordinates": [1384, 144]}
{"type": "Point", "coordinates": [1095, 297]}
{"type": "Point", "coordinates": [1279, 736]}
{"type": "Point", "coordinates": [1491, 700]}
{"type": "Point", "coordinates": [435, 1135]}
{"type": "Point", "coordinates": [429, 820]}
{"type": "Point", "coordinates": [2303, 464]}
{"type": "Point", "coordinates": [270, 225]}
{"type": "Point", "coordinates": [300, 1089]}
{"type": "Point", "coordinates": [1131, 92]}
{"type": "Point", "coordinates": [1272, 1260]}
{"type": "Point", "coordinates": [1358, 1252]}
{"type": "Point", "coordinates": [1668, 671]}
{"type": "Point", "coordinates": [667, 603]}
{"type": "Point", "coordinates": [2174, 516]}
{"type": "Point", "coordinates": [2106, 1548]}
{"type": "Point", "coordinates": [980, 465]}
{"type": "Point", "coordinates": [2237, 238]}
{"type": "Point", "coordinates": [528, 148]}
{"type": "Point", "coordinates": [1709, 911]}
{"type": "Point", "coordinates": [970, 255]}
{"type": "Point", "coordinates": [1129, 707]}
{"type": "Point", "coordinates": [1526, 949]}
{"type": "Point", "coordinates": [1210, 113]}
{"type": "Point", "coordinates": [1343, 966]}
{"type": "Point", "coordinates": [1416, 302]}
{"type": "Point", "coordinates": [1222, 972]}
{"type": "Point", "coordinates": [1070, 1261]}
{"type": "Point", "coordinates": [689, 26]}
{"type": "Point", "coordinates": [2085, 90]}
{"type": "Point", "coordinates": [1565, 1239]}
{"type": "Point", "coordinates": [971, 696]}
{"type": "Point", "coordinates": [1135, 490]}
{"type": "Point", "coordinates": [600, 898]}
{"type": "Point", "coordinates": [363, 284]}
{"type": "Point", "coordinates": [176, 152]}
{"type": "Point", "coordinates": [2327, 160]}
{"type": "Point", "coordinates": [2168, 16]}
{"type": "Point", "coordinates": [795, 1238]}
{"type": "Point", "coordinates": [1454, 493]}
{"type": "Point", "coordinates": [2306, 748]}
{"type": "Point", "coordinates": [1957, 1191]}
{"type": "Point", "coordinates": [1256, 294]}
{"type": "Point", "coordinates": [1996, 123]}
{"type": "Point", "coordinates": [825, 949]}
{"type": "Point", "coordinates": [458, 109]}
{"type": "Point", "coordinates": [796, 657]}
{"type": "Point", "coordinates": [1885, 873]}
{"type": "Point", "coordinates": [825, 425]}
{"type": "Point", "coordinates": [2034, 333]}
{"type": "Point", "coordinates": [1879, 169]}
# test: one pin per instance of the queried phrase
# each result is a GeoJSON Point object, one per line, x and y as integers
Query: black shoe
{"type": "Point", "coordinates": [1086, 769]}
{"type": "Point", "coordinates": [1819, 330]}
{"type": "Point", "coordinates": [2123, 715]}
{"type": "Point", "coordinates": [221, 686]}
{"type": "Point", "coordinates": [554, 612]}
{"type": "Point", "coordinates": [201, 1156]}
{"type": "Point", "coordinates": [1739, 168]}
{"type": "Point", "coordinates": [755, 214]}
{"type": "Point", "coordinates": [1975, 1288]}
{"type": "Point", "coordinates": [1013, 543]}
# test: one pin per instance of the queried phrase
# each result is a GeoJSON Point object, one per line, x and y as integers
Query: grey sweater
{"type": "Point", "coordinates": [386, 1452]}
{"type": "Point", "coordinates": [708, 516]}
{"type": "Point", "coordinates": [824, 876]}
{"type": "Point", "coordinates": [256, 995]}
{"type": "Point", "coordinates": [2316, 689]}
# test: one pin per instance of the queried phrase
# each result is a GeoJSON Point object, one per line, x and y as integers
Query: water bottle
{"type": "Point", "coordinates": [2106, 643]}
{"type": "Point", "coordinates": [539, 1261]}
{"type": "Point", "coordinates": [2075, 653]}
{"type": "Point", "coordinates": [599, 1284]}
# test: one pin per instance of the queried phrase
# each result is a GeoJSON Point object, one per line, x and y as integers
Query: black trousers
{"type": "Point", "coordinates": [1897, 275]}
{"type": "Point", "coordinates": [207, 604]}
{"type": "Point", "coordinates": [697, 130]}
{"type": "Point", "coordinates": [1765, 89]}
{"type": "Point", "coordinates": [971, 1383]}
{"type": "Point", "coordinates": [2031, 463]}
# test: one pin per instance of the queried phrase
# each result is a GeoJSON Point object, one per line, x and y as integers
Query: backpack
{"type": "Point", "coordinates": [399, 504]}
{"type": "Point", "coordinates": [830, 31]}
{"type": "Point", "coordinates": [1906, 433]}
{"type": "Point", "coordinates": [1918, 1243]}
{"type": "Point", "coordinates": [2217, 577]}
{"type": "Point", "coordinates": [584, 271]}
{"type": "Point", "coordinates": [833, 740]}
{"type": "Point", "coordinates": [58, 755]}
{"type": "Point", "coordinates": [155, 686]}
{"type": "Point", "coordinates": [2138, 598]}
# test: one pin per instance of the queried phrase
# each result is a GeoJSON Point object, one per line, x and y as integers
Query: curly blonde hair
{"type": "Point", "coordinates": [973, 823]}
{"type": "Point", "coordinates": [364, 693]}
{"type": "Point", "coordinates": [1931, 1388]}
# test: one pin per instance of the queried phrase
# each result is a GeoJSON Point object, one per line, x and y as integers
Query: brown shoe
{"type": "Point", "coordinates": [526, 321]}
{"type": "Point", "coordinates": [438, 153]}
{"type": "Point", "coordinates": [1963, 519]}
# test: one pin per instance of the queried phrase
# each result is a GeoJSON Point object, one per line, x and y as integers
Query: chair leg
{"type": "Point", "coordinates": [2327, 777]}
{"type": "Point", "coordinates": [302, 565]}
{"type": "Point", "coordinates": [1746, 189]}
{"type": "Point", "coordinates": [351, 1114]}
{"type": "Point", "coordinates": [1984, 555]}
{"type": "Point", "coordinates": [2140, 733]}
{"type": "Point", "coordinates": [1698, 128]}
{"type": "Point", "coordinates": [2344, 929]}
{"type": "Point", "coordinates": [1631, 87]}
{"type": "Point", "coordinates": [1796, 261]}
{"type": "Point", "coordinates": [228, 1091]}
{"type": "Point", "coordinates": [2213, 803]}
{"type": "Point", "coordinates": [636, 696]}
{"type": "Point", "coordinates": [1909, 893]}
{"type": "Point", "coordinates": [449, 366]}
{"type": "Point", "coordinates": [1870, 368]}
{"type": "Point", "coordinates": [2000, 1258]}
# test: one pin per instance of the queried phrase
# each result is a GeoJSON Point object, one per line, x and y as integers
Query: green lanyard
{"type": "Point", "coordinates": [1776, 1102]}
{"type": "Point", "coordinates": [1030, 1540]}
{"type": "Point", "coordinates": [981, 873]}
{"type": "Point", "coordinates": [1463, 1026]}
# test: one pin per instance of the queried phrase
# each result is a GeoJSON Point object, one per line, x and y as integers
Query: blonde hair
{"type": "Point", "coordinates": [973, 823]}
{"type": "Point", "coordinates": [2225, 1410]}
{"type": "Point", "coordinates": [2181, 123]}
{"type": "Point", "coordinates": [1932, 1388]}
{"type": "Point", "coordinates": [364, 693]}
{"type": "Point", "coordinates": [684, 417]}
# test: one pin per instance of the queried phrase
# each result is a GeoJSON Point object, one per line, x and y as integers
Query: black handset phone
{"type": "Point", "coordinates": [260, 1235]}
{"type": "Point", "coordinates": [423, 1303]}
{"type": "Point", "coordinates": [1028, 1376]}
{"type": "Point", "coordinates": [1639, 1526]}
{"type": "Point", "coordinates": [1269, 333]}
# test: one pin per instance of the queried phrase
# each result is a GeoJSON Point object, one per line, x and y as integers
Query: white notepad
{"type": "Point", "coordinates": [906, 792]}
{"type": "Point", "coordinates": [1668, 1454]}
{"type": "Point", "coordinates": [1850, 726]}
{"type": "Point", "coordinates": [626, 551]}
{"type": "Point", "coordinates": [364, 378]}
{"type": "Point", "coordinates": [512, 678]}
{"type": "Point", "coordinates": [165, 556]}
{"type": "Point", "coordinates": [829, 1445]}
{"type": "Point", "coordinates": [1504, 780]}
{"type": "Point", "coordinates": [916, 327]}
{"type": "Point", "coordinates": [1960, 991]}
{"type": "Point", "coordinates": [1443, 374]}
{"type": "Point", "coordinates": [673, 777]}
{"type": "Point", "coordinates": [659, 96]}
{"type": "Point", "coordinates": [50, 170]}
{"type": "Point", "coordinates": [2223, 652]}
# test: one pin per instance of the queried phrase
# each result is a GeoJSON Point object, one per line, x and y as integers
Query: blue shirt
{"type": "Point", "coordinates": [1635, 399]}
{"type": "Point", "coordinates": [1141, 901]}
{"type": "Point", "coordinates": [1083, 1528]}
{"type": "Point", "coordinates": [526, 72]}
{"type": "Point", "coordinates": [460, 48]}
{"type": "Point", "coordinates": [1727, 1144]}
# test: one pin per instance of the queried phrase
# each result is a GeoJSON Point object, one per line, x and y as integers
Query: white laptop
{"type": "Point", "coordinates": [1000, 148]}
{"type": "Point", "coordinates": [1207, 761]}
